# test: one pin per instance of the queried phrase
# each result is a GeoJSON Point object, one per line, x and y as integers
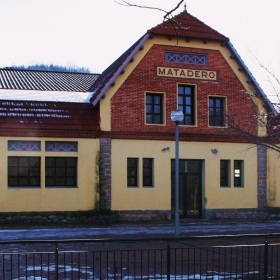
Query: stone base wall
{"type": "Point", "coordinates": [92, 217]}
{"type": "Point", "coordinates": [101, 217]}
{"type": "Point", "coordinates": [143, 215]}
{"type": "Point", "coordinates": [49, 217]}
{"type": "Point", "coordinates": [242, 214]}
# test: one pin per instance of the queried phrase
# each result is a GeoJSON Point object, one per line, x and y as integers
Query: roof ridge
{"type": "Point", "coordinates": [194, 28]}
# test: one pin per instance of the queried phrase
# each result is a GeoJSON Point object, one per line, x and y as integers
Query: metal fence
{"type": "Point", "coordinates": [208, 257]}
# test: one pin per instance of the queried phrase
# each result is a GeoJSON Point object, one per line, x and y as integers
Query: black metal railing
{"type": "Point", "coordinates": [205, 257]}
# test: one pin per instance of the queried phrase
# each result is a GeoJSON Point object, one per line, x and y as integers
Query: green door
{"type": "Point", "coordinates": [190, 188]}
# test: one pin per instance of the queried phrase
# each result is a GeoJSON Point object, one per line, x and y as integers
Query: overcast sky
{"type": "Point", "coordinates": [93, 33]}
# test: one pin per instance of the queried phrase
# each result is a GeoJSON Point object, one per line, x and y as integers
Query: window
{"type": "Point", "coordinates": [132, 172]}
{"type": "Point", "coordinates": [61, 146]}
{"type": "Point", "coordinates": [224, 173]}
{"type": "Point", "coordinates": [186, 58]}
{"type": "Point", "coordinates": [23, 171]}
{"type": "Point", "coordinates": [238, 173]}
{"type": "Point", "coordinates": [24, 146]}
{"type": "Point", "coordinates": [147, 172]}
{"type": "Point", "coordinates": [61, 171]}
{"type": "Point", "coordinates": [154, 108]}
{"type": "Point", "coordinates": [216, 111]}
{"type": "Point", "coordinates": [186, 104]}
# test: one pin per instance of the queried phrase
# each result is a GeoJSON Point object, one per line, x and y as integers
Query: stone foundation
{"type": "Point", "coordinates": [92, 217]}
{"type": "Point", "coordinates": [49, 217]}
{"type": "Point", "coordinates": [242, 214]}
{"type": "Point", "coordinates": [143, 215]}
{"type": "Point", "coordinates": [101, 217]}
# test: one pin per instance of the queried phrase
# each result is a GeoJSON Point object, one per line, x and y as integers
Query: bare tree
{"type": "Point", "coordinates": [167, 14]}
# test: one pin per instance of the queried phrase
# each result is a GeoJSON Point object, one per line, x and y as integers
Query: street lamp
{"type": "Point", "coordinates": [177, 116]}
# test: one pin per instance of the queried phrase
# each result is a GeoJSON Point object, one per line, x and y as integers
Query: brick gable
{"type": "Point", "coordinates": [128, 104]}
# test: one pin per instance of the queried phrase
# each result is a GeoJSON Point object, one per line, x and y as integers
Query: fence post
{"type": "Point", "coordinates": [265, 259]}
{"type": "Point", "coordinates": [168, 262]}
{"type": "Point", "coordinates": [56, 261]}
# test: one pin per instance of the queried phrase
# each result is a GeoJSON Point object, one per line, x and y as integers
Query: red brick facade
{"type": "Point", "coordinates": [128, 104]}
{"type": "Point", "coordinates": [48, 119]}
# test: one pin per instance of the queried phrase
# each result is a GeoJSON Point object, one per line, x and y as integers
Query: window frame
{"type": "Point", "coordinates": [57, 146]}
{"type": "Point", "coordinates": [183, 107]}
{"type": "Point", "coordinates": [150, 169]}
{"type": "Point", "coordinates": [153, 114]}
{"type": "Point", "coordinates": [18, 167]}
{"type": "Point", "coordinates": [225, 173]}
{"type": "Point", "coordinates": [218, 117]}
{"type": "Point", "coordinates": [135, 177]}
{"type": "Point", "coordinates": [56, 177]}
{"type": "Point", "coordinates": [24, 146]}
{"type": "Point", "coordinates": [240, 168]}
{"type": "Point", "coordinates": [187, 58]}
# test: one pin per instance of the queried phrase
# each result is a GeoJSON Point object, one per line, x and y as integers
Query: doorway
{"type": "Point", "coordinates": [190, 188]}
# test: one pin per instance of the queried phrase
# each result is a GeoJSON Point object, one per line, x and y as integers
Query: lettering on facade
{"type": "Point", "coordinates": [211, 75]}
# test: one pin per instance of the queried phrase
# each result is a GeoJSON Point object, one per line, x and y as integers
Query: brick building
{"type": "Point", "coordinates": [77, 142]}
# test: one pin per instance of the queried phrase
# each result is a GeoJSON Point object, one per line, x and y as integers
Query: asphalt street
{"type": "Point", "coordinates": [140, 230]}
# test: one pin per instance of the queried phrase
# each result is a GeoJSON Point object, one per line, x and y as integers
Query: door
{"type": "Point", "coordinates": [190, 188]}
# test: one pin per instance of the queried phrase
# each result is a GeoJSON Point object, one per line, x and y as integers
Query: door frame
{"type": "Point", "coordinates": [183, 189]}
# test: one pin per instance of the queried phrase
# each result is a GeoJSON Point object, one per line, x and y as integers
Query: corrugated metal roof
{"type": "Point", "coordinates": [40, 95]}
{"type": "Point", "coordinates": [46, 80]}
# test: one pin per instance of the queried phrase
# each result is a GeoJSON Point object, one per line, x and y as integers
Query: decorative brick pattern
{"type": "Point", "coordinates": [262, 176]}
{"type": "Point", "coordinates": [105, 173]}
{"type": "Point", "coordinates": [186, 58]}
{"type": "Point", "coordinates": [48, 119]}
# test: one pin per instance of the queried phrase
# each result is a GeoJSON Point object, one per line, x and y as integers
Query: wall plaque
{"type": "Point", "coordinates": [199, 74]}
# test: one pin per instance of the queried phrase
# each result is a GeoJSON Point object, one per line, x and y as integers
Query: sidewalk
{"type": "Point", "coordinates": [190, 227]}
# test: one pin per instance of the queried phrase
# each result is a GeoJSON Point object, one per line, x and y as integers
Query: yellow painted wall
{"type": "Point", "coordinates": [273, 179]}
{"type": "Point", "coordinates": [51, 199]}
{"type": "Point", "coordinates": [158, 197]}
{"type": "Point", "coordinates": [105, 103]}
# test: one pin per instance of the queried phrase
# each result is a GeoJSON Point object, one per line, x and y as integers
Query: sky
{"type": "Point", "coordinates": [94, 33]}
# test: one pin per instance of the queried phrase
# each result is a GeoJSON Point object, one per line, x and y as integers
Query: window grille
{"type": "Point", "coordinates": [24, 146]}
{"type": "Point", "coordinates": [61, 172]}
{"type": "Point", "coordinates": [61, 146]}
{"type": "Point", "coordinates": [186, 58]}
{"type": "Point", "coordinates": [24, 171]}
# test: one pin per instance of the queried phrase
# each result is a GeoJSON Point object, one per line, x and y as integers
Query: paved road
{"type": "Point", "coordinates": [155, 229]}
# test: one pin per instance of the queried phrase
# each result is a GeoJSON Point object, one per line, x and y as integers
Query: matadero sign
{"type": "Point", "coordinates": [174, 72]}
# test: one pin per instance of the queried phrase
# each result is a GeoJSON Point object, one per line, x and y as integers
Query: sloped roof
{"type": "Point", "coordinates": [106, 79]}
{"type": "Point", "coordinates": [44, 95]}
{"type": "Point", "coordinates": [277, 107]}
{"type": "Point", "coordinates": [192, 27]}
{"type": "Point", "coordinates": [41, 119]}
{"type": "Point", "coordinates": [182, 25]}
{"type": "Point", "coordinates": [186, 25]}
{"type": "Point", "coordinates": [46, 80]}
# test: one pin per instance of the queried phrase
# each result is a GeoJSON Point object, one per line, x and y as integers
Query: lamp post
{"type": "Point", "coordinates": [177, 116]}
